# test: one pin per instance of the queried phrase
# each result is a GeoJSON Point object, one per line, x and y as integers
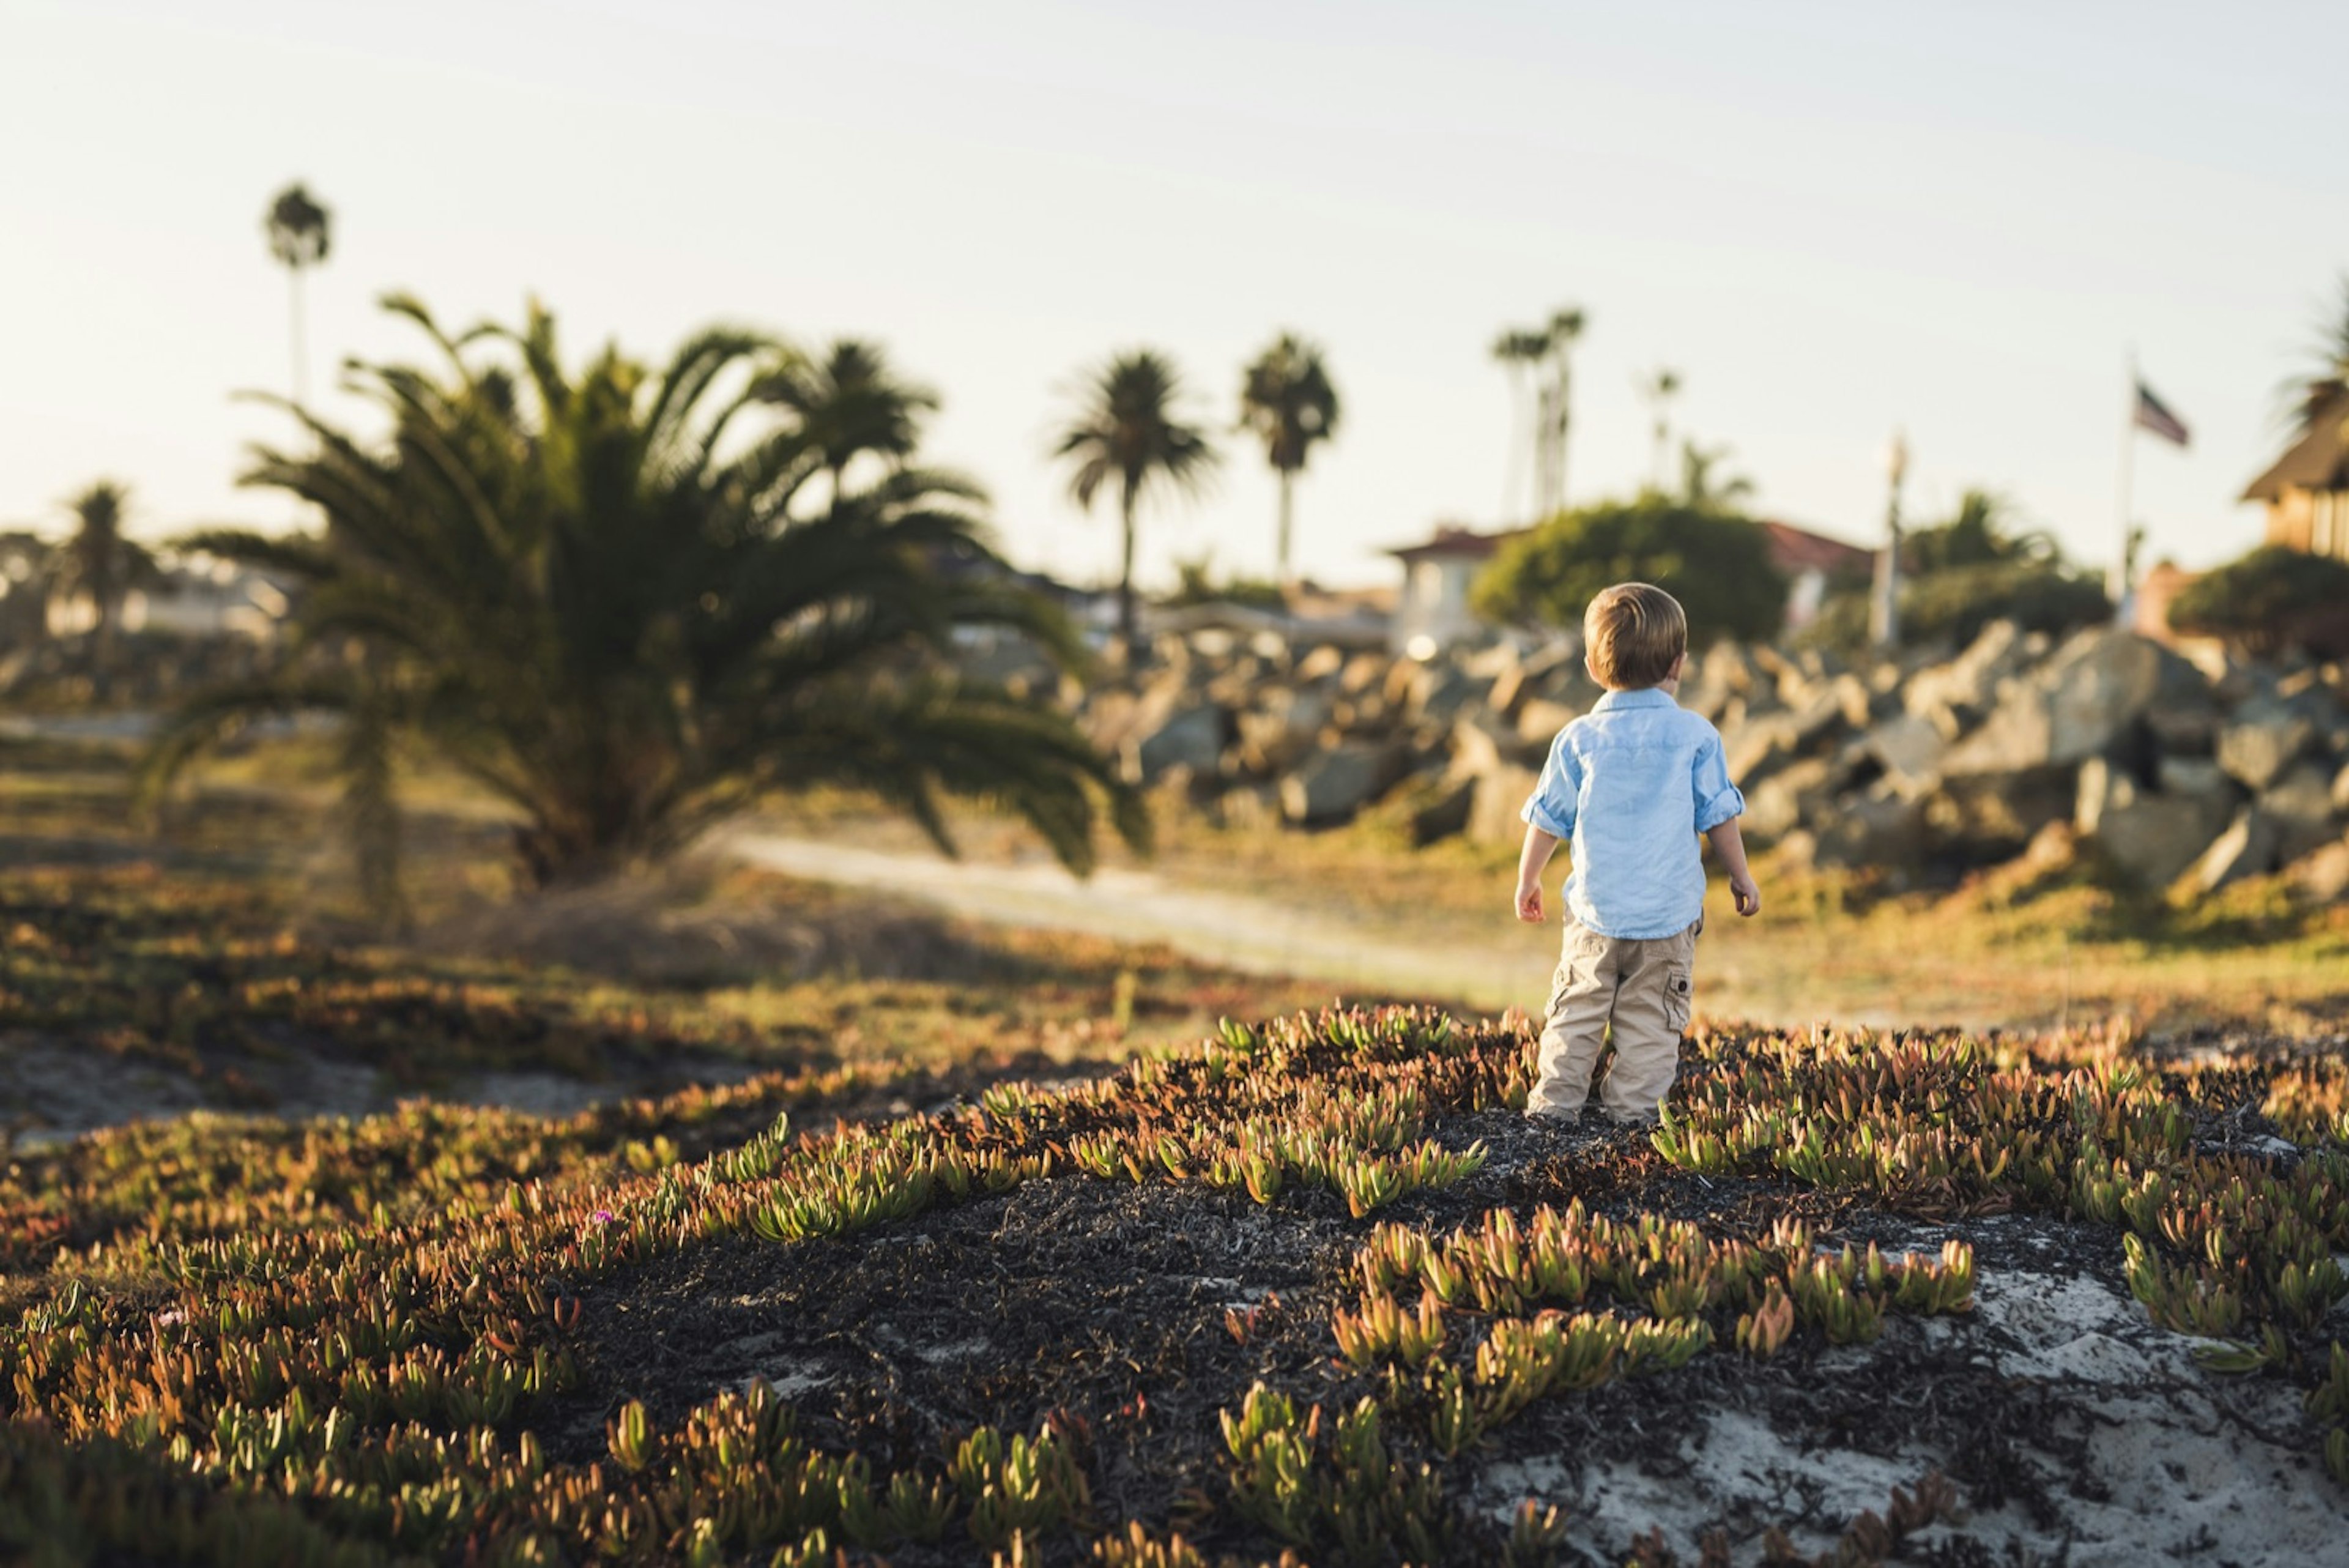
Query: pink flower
{"type": "Point", "coordinates": [172, 1319]}
{"type": "Point", "coordinates": [602, 1217]}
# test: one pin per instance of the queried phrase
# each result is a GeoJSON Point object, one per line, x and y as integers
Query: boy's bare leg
{"type": "Point", "coordinates": [1652, 1011]}
{"type": "Point", "coordinates": [1574, 1029]}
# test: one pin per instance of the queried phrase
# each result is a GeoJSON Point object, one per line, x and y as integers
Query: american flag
{"type": "Point", "coordinates": [2151, 416]}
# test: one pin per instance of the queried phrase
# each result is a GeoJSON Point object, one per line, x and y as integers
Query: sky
{"type": "Point", "coordinates": [1832, 219]}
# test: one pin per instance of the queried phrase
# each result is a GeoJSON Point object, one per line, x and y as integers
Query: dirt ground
{"type": "Point", "coordinates": [2074, 1432]}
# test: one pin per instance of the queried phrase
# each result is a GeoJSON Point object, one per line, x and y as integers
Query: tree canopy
{"type": "Point", "coordinates": [2268, 601]}
{"type": "Point", "coordinates": [1289, 401]}
{"type": "Point", "coordinates": [1717, 565]}
{"type": "Point", "coordinates": [610, 597]}
{"type": "Point", "coordinates": [1128, 427]}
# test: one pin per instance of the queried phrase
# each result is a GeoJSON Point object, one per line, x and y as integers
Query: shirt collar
{"type": "Point", "coordinates": [1646, 697]}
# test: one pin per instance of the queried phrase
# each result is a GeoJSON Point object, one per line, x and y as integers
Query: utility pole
{"type": "Point", "coordinates": [1884, 613]}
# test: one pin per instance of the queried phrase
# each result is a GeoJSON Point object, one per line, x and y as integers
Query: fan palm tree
{"type": "Point", "coordinates": [1127, 428]}
{"type": "Point", "coordinates": [1704, 486]}
{"type": "Point", "coordinates": [1565, 330]}
{"type": "Point", "coordinates": [608, 597]}
{"type": "Point", "coordinates": [2324, 384]}
{"type": "Point", "coordinates": [1519, 352]}
{"type": "Point", "coordinates": [1287, 401]}
{"type": "Point", "coordinates": [98, 562]}
{"type": "Point", "coordinates": [849, 404]}
{"type": "Point", "coordinates": [1659, 389]}
{"type": "Point", "coordinates": [299, 233]}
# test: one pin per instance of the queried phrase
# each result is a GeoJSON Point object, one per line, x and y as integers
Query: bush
{"type": "Point", "coordinates": [2270, 601]}
{"type": "Point", "coordinates": [1716, 565]}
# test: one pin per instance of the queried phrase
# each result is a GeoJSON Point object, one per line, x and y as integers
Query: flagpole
{"type": "Point", "coordinates": [2117, 581]}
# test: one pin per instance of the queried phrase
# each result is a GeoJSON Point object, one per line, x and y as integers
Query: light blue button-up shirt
{"type": "Point", "coordinates": [1629, 785]}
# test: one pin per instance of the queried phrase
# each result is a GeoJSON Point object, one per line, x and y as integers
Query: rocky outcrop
{"type": "Point", "coordinates": [2175, 777]}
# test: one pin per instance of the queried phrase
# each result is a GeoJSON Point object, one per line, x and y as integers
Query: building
{"type": "Point", "coordinates": [1814, 564]}
{"type": "Point", "coordinates": [1431, 611]}
{"type": "Point", "coordinates": [2306, 491]}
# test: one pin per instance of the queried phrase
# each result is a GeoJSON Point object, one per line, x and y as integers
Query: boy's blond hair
{"type": "Point", "coordinates": [1632, 634]}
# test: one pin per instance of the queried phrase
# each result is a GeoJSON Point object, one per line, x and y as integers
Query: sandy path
{"type": "Point", "coordinates": [1241, 933]}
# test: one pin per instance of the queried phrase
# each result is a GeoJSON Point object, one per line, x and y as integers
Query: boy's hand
{"type": "Point", "coordinates": [1749, 897]}
{"type": "Point", "coordinates": [1529, 903]}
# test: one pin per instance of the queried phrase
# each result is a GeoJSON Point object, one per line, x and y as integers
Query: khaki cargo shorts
{"type": "Point", "coordinates": [1638, 989]}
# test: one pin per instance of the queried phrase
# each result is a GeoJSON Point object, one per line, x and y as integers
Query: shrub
{"type": "Point", "coordinates": [2274, 599]}
{"type": "Point", "coordinates": [1716, 565]}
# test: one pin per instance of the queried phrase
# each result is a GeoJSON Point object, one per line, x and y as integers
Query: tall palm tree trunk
{"type": "Point", "coordinates": [1125, 628]}
{"type": "Point", "coordinates": [1287, 508]}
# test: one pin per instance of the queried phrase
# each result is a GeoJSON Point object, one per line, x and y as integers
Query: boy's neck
{"type": "Point", "coordinates": [1670, 686]}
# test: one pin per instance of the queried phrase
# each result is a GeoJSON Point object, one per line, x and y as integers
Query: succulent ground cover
{"type": "Point", "coordinates": [217, 965]}
{"type": "Point", "coordinates": [1313, 1289]}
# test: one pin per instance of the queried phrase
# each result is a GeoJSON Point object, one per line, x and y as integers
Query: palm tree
{"type": "Point", "coordinates": [1565, 330]}
{"type": "Point", "coordinates": [1127, 428]}
{"type": "Point", "coordinates": [298, 238]}
{"type": "Point", "coordinates": [2310, 396]}
{"type": "Point", "coordinates": [1703, 486]}
{"type": "Point", "coordinates": [609, 597]}
{"type": "Point", "coordinates": [1659, 388]}
{"type": "Point", "coordinates": [1519, 352]}
{"type": "Point", "coordinates": [1287, 399]}
{"type": "Point", "coordinates": [849, 404]}
{"type": "Point", "coordinates": [96, 560]}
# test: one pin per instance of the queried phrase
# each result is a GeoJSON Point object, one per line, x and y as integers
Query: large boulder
{"type": "Point", "coordinates": [1337, 780]}
{"type": "Point", "coordinates": [2300, 804]}
{"type": "Point", "coordinates": [1876, 830]}
{"type": "Point", "coordinates": [2248, 849]}
{"type": "Point", "coordinates": [1802, 792]}
{"type": "Point", "coordinates": [1439, 691]}
{"type": "Point", "coordinates": [1954, 697]}
{"type": "Point", "coordinates": [2082, 701]}
{"type": "Point", "coordinates": [2322, 875]}
{"type": "Point", "coordinates": [1759, 747]}
{"type": "Point", "coordinates": [1279, 732]}
{"type": "Point", "coordinates": [2261, 740]}
{"type": "Point", "coordinates": [1539, 719]}
{"type": "Point", "coordinates": [1984, 818]}
{"type": "Point", "coordinates": [1500, 795]}
{"type": "Point", "coordinates": [2150, 838]}
{"type": "Point", "coordinates": [1909, 749]}
{"type": "Point", "coordinates": [1190, 736]}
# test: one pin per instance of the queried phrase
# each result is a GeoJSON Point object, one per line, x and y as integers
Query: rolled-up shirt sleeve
{"type": "Point", "coordinates": [1717, 799]}
{"type": "Point", "coordinates": [1551, 806]}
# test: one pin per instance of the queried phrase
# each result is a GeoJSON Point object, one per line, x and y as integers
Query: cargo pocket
{"type": "Point", "coordinates": [1678, 985]}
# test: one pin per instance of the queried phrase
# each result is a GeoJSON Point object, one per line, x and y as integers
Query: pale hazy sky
{"type": "Point", "coordinates": [1832, 219]}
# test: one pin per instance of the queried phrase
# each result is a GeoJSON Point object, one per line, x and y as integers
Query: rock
{"type": "Point", "coordinates": [1481, 745]}
{"type": "Point", "coordinates": [1910, 749]}
{"type": "Point", "coordinates": [1985, 817]}
{"type": "Point", "coordinates": [1719, 675]}
{"type": "Point", "coordinates": [2149, 839]}
{"type": "Point", "coordinates": [1781, 802]}
{"type": "Point", "coordinates": [1191, 737]}
{"type": "Point", "coordinates": [1438, 692]}
{"type": "Point", "coordinates": [2077, 705]}
{"type": "Point", "coordinates": [1279, 735]}
{"type": "Point", "coordinates": [2246, 849]}
{"type": "Point", "coordinates": [2322, 875]}
{"type": "Point", "coordinates": [2341, 790]}
{"type": "Point", "coordinates": [1438, 808]}
{"type": "Point", "coordinates": [1876, 830]}
{"type": "Point", "coordinates": [2194, 775]}
{"type": "Point", "coordinates": [1953, 697]}
{"type": "Point", "coordinates": [1320, 664]}
{"type": "Point", "coordinates": [2261, 742]}
{"type": "Point", "coordinates": [1539, 719]}
{"type": "Point", "coordinates": [1501, 795]}
{"type": "Point", "coordinates": [2300, 806]}
{"type": "Point", "coordinates": [1761, 746]}
{"type": "Point", "coordinates": [1338, 781]}
{"type": "Point", "coordinates": [1364, 672]}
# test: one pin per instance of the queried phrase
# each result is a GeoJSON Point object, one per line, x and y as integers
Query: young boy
{"type": "Point", "coordinates": [1631, 784]}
